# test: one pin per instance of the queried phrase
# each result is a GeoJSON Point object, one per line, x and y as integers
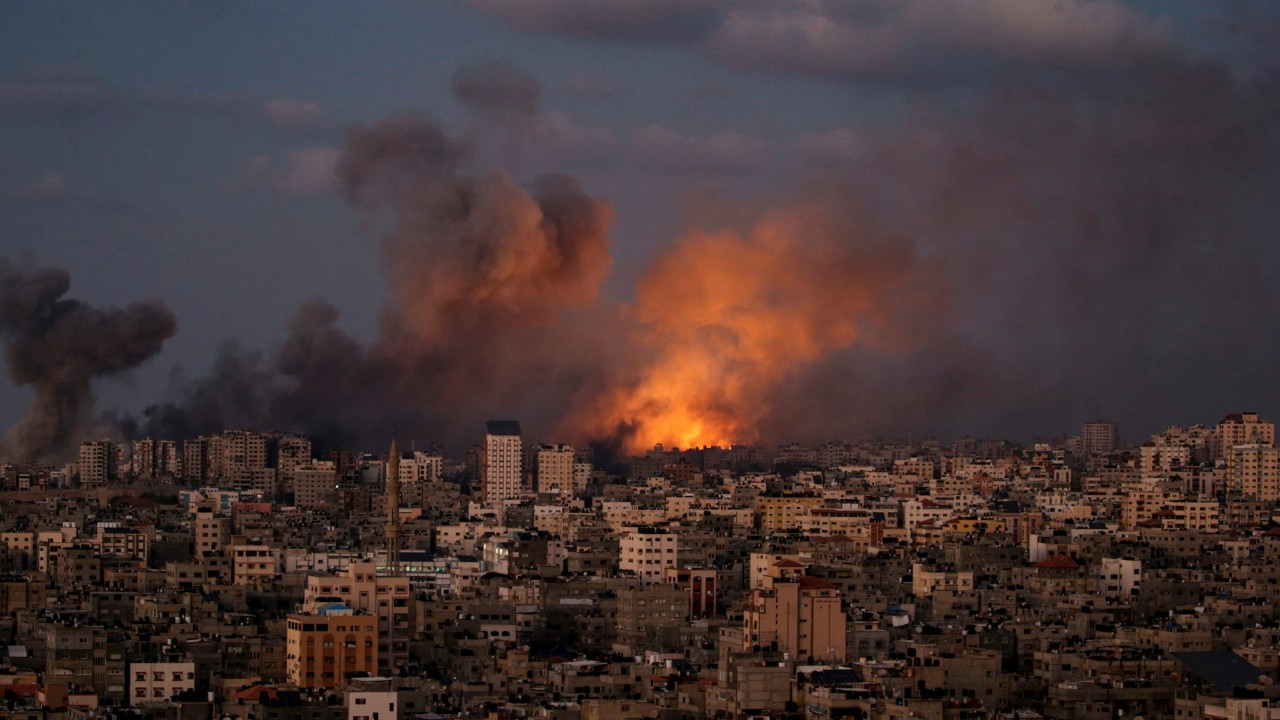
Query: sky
{"type": "Point", "coordinates": [677, 221]}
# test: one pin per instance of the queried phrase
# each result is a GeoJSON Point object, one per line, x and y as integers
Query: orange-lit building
{"type": "Point", "coordinates": [799, 616]}
{"type": "Point", "coordinates": [779, 513]}
{"type": "Point", "coordinates": [362, 589]}
{"type": "Point", "coordinates": [324, 649]}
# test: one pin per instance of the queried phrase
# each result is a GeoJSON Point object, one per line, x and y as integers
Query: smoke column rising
{"type": "Point", "coordinates": [492, 286]}
{"type": "Point", "coordinates": [58, 346]}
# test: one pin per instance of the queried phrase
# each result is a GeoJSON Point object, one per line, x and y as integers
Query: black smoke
{"type": "Point", "coordinates": [59, 346]}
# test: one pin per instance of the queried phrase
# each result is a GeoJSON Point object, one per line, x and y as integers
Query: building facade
{"type": "Point", "coordinates": [501, 463]}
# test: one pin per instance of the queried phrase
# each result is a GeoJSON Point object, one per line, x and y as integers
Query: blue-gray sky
{"type": "Point", "coordinates": [1096, 178]}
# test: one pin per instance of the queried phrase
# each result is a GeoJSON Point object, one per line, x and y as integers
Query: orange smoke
{"type": "Point", "coordinates": [729, 315]}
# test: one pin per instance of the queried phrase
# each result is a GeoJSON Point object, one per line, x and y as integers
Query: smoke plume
{"type": "Point", "coordinates": [491, 286]}
{"type": "Point", "coordinates": [58, 346]}
{"type": "Point", "coordinates": [1010, 262]}
{"type": "Point", "coordinates": [729, 315]}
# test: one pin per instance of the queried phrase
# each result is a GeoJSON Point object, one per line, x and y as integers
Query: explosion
{"type": "Point", "coordinates": [59, 345]}
{"type": "Point", "coordinates": [489, 282]}
{"type": "Point", "coordinates": [727, 316]}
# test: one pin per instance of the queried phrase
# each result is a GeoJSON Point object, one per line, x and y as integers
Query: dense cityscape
{"type": "Point", "coordinates": [639, 360]}
{"type": "Point", "coordinates": [238, 575]}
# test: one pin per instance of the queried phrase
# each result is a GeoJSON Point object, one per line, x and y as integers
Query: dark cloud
{"type": "Point", "coordinates": [317, 380]}
{"type": "Point", "coordinates": [1067, 251]}
{"type": "Point", "coordinates": [478, 267]}
{"type": "Point", "coordinates": [1117, 246]}
{"type": "Point", "coordinates": [58, 346]}
{"type": "Point", "coordinates": [922, 39]}
{"type": "Point", "coordinates": [396, 158]}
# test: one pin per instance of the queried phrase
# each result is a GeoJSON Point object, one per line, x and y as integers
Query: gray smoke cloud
{"type": "Point", "coordinates": [1098, 227]}
{"type": "Point", "coordinates": [489, 283]}
{"type": "Point", "coordinates": [58, 346]}
{"type": "Point", "coordinates": [1113, 244]}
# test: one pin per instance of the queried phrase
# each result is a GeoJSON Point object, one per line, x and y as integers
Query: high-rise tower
{"type": "Point", "coordinates": [500, 463]}
{"type": "Point", "coordinates": [393, 509]}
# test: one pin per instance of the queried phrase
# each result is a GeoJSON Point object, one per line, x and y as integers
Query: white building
{"type": "Point", "coordinates": [149, 682]}
{"type": "Point", "coordinates": [1244, 428]}
{"type": "Point", "coordinates": [500, 463]}
{"type": "Point", "coordinates": [914, 512]}
{"type": "Point", "coordinates": [1254, 471]}
{"type": "Point", "coordinates": [647, 553]}
{"type": "Point", "coordinates": [371, 699]}
{"type": "Point", "coordinates": [1119, 577]}
{"type": "Point", "coordinates": [421, 468]}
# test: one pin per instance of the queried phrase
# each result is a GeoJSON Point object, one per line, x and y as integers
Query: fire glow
{"type": "Point", "coordinates": [727, 316]}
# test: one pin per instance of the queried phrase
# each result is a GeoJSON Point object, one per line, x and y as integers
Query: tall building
{"type": "Point", "coordinates": [236, 448]}
{"type": "Point", "coordinates": [1244, 428]}
{"type": "Point", "coordinates": [1100, 437]}
{"type": "Point", "coordinates": [97, 462]}
{"type": "Point", "coordinates": [799, 616]}
{"type": "Point", "coordinates": [150, 459]}
{"type": "Point", "coordinates": [1254, 471]}
{"type": "Point", "coordinates": [168, 459]}
{"type": "Point", "coordinates": [195, 460]}
{"type": "Point", "coordinates": [500, 462]}
{"type": "Point", "coordinates": [142, 458]}
{"type": "Point", "coordinates": [393, 509]}
{"type": "Point", "coordinates": [315, 485]}
{"type": "Point", "coordinates": [292, 453]}
{"type": "Point", "coordinates": [555, 470]}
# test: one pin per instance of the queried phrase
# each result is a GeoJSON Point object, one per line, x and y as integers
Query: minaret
{"type": "Point", "coordinates": [393, 509]}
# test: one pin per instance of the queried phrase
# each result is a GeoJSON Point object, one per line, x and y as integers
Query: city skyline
{"type": "Point", "coordinates": [686, 222]}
